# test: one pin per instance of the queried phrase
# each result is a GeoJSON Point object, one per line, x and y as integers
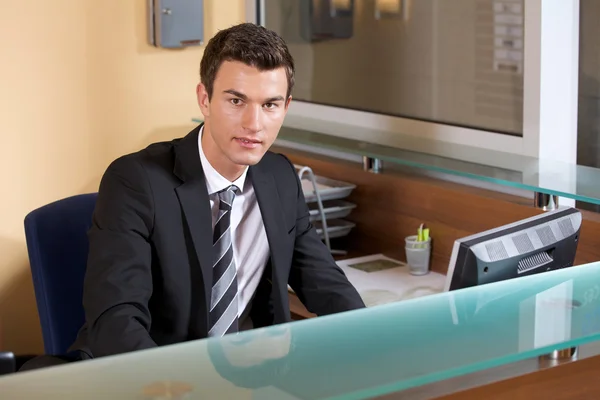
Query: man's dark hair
{"type": "Point", "coordinates": [252, 44]}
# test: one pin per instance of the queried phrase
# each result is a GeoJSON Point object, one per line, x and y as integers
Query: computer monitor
{"type": "Point", "coordinates": [538, 244]}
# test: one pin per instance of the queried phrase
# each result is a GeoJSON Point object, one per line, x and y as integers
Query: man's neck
{"type": "Point", "coordinates": [218, 160]}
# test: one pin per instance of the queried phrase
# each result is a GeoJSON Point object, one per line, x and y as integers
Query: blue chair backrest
{"type": "Point", "coordinates": [57, 244]}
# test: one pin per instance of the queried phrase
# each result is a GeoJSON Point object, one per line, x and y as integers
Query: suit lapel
{"type": "Point", "coordinates": [194, 200]}
{"type": "Point", "coordinates": [273, 219]}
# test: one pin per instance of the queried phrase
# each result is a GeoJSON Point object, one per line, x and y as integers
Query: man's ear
{"type": "Point", "coordinates": [287, 103]}
{"type": "Point", "coordinates": [203, 100]}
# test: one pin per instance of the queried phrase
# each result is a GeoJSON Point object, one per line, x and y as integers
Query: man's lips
{"type": "Point", "coordinates": [248, 143]}
{"type": "Point", "coordinates": [248, 140]}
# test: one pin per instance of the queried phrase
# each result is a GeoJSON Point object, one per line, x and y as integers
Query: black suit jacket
{"type": "Point", "coordinates": [149, 272]}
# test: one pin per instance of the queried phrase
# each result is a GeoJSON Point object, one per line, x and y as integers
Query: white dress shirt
{"type": "Point", "coordinates": [250, 246]}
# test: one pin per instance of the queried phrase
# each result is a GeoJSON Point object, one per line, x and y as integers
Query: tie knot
{"type": "Point", "coordinates": [226, 197]}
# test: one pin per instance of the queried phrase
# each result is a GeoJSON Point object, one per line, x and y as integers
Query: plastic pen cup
{"type": "Point", "coordinates": [418, 254]}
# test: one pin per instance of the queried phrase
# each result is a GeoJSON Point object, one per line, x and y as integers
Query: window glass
{"type": "Point", "coordinates": [588, 135]}
{"type": "Point", "coordinates": [457, 62]}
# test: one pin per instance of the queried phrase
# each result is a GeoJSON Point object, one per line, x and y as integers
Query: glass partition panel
{"type": "Point", "coordinates": [354, 355]}
{"type": "Point", "coordinates": [578, 182]}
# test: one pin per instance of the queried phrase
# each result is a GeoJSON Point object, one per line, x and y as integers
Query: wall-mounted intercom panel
{"type": "Point", "coordinates": [326, 19]}
{"type": "Point", "coordinates": [175, 23]}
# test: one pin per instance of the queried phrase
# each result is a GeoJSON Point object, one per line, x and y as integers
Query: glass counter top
{"type": "Point", "coordinates": [353, 355]}
{"type": "Point", "coordinates": [551, 177]}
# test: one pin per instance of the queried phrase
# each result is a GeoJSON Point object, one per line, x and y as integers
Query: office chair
{"type": "Point", "coordinates": [57, 244]}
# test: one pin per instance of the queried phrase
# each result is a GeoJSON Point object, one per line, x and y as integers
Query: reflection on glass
{"type": "Point", "coordinates": [552, 317]}
{"type": "Point", "coordinates": [390, 8]}
{"type": "Point", "coordinates": [588, 132]}
{"type": "Point", "coordinates": [457, 62]}
{"type": "Point", "coordinates": [589, 84]}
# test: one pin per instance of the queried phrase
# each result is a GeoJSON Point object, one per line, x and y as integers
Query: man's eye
{"type": "Point", "coordinates": [270, 105]}
{"type": "Point", "coordinates": [236, 102]}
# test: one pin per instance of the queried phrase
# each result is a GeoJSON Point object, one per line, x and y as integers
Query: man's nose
{"type": "Point", "coordinates": [252, 118]}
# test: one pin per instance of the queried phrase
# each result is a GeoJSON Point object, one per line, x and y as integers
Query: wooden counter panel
{"type": "Point", "coordinates": [391, 206]}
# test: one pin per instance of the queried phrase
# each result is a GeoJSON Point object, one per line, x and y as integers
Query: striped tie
{"type": "Point", "coordinates": [224, 300]}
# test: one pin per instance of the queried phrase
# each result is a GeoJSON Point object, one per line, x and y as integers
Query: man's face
{"type": "Point", "coordinates": [245, 113]}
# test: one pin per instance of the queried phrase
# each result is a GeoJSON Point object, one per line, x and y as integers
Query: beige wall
{"type": "Point", "coordinates": [79, 87]}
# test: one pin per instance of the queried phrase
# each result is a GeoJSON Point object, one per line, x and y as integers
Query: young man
{"type": "Point", "coordinates": [200, 236]}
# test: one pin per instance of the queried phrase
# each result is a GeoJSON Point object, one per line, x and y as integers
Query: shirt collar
{"type": "Point", "coordinates": [215, 182]}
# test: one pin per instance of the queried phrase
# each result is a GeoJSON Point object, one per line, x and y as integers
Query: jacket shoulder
{"type": "Point", "coordinates": [272, 159]}
{"type": "Point", "coordinates": [278, 164]}
{"type": "Point", "coordinates": [159, 153]}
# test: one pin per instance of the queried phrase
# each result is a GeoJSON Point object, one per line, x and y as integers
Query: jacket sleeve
{"type": "Point", "coordinates": [316, 279]}
{"type": "Point", "coordinates": [118, 281]}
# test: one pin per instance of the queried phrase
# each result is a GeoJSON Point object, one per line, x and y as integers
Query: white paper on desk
{"type": "Point", "coordinates": [389, 285]}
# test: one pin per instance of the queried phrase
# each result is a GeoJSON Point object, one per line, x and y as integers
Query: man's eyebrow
{"type": "Point", "coordinates": [236, 94]}
{"type": "Point", "coordinates": [274, 99]}
{"type": "Point", "coordinates": [244, 97]}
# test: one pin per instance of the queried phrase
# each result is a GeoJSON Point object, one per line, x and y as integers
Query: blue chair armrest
{"type": "Point", "coordinates": [8, 363]}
